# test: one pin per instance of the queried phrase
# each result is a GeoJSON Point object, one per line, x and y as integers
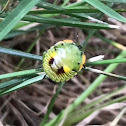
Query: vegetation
{"type": "Point", "coordinates": [30, 27]}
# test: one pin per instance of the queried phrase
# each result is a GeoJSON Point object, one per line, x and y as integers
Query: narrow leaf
{"type": "Point", "coordinates": [19, 53]}
{"type": "Point", "coordinates": [67, 22]}
{"type": "Point", "coordinates": [103, 62]}
{"type": "Point", "coordinates": [19, 73]}
{"type": "Point", "coordinates": [25, 83]}
{"type": "Point", "coordinates": [14, 81]}
{"type": "Point", "coordinates": [115, 1]}
{"type": "Point", "coordinates": [105, 73]}
{"type": "Point", "coordinates": [16, 15]}
{"type": "Point", "coordinates": [107, 10]}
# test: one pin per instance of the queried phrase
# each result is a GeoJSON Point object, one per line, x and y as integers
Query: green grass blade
{"type": "Point", "coordinates": [51, 104]}
{"type": "Point", "coordinates": [47, 5]}
{"type": "Point", "coordinates": [20, 32]}
{"type": "Point", "coordinates": [25, 83]}
{"type": "Point", "coordinates": [52, 7]}
{"type": "Point", "coordinates": [19, 73]}
{"type": "Point", "coordinates": [82, 113]}
{"type": "Point", "coordinates": [106, 10]}
{"type": "Point", "coordinates": [64, 11]}
{"type": "Point", "coordinates": [115, 1]}
{"type": "Point", "coordinates": [84, 44]}
{"type": "Point", "coordinates": [15, 16]}
{"type": "Point", "coordinates": [14, 82]}
{"type": "Point", "coordinates": [103, 98]}
{"type": "Point", "coordinates": [76, 118]}
{"type": "Point", "coordinates": [20, 53]}
{"type": "Point", "coordinates": [70, 11]}
{"type": "Point", "coordinates": [99, 5]}
{"type": "Point", "coordinates": [116, 44]}
{"type": "Point", "coordinates": [67, 22]}
{"type": "Point", "coordinates": [104, 62]}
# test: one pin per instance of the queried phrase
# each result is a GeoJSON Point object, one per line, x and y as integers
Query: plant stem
{"type": "Point", "coordinates": [104, 62]}
{"type": "Point", "coordinates": [51, 104]}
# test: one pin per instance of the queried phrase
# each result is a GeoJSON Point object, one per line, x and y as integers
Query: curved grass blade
{"type": "Point", "coordinates": [116, 44]}
{"type": "Point", "coordinates": [16, 15]}
{"type": "Point", "coordinates": [82, 114]}
{"type": "Point", "coordinates": [20, 53]}
{"type": "Point", "coordinates": [106, 10]}
{"type": "Point", "coordinates": [21, 85]}
{"type": "Point", "coordinates": [74, 119]}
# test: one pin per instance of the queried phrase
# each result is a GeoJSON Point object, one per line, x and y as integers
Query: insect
{"type": "Point", "coordinates": [63, 61]}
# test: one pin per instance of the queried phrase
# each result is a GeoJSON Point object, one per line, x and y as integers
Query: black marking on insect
{"type": "Point", "coordinates": [79, 46]}
{"type": "Point", "coordinates": [55, 48]}
{"type": "Point", "coordinates": [51, 61]}
{"type": "Point", "coordinates": [74, 70]}
{"type": "Point", "coordinates": [62, 44]}
{"type": "Point", "coordinates": [60, 71]}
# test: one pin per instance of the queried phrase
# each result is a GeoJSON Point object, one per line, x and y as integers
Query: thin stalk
{"type": "Point", "coordinates": [65, 3]}
{"type": "Point", "coordinates": [84, 44]}
{"type": "Point", "coordinates": [51, 104]}
{"type": "Point", "coordinates": [117, 45]}
{"type": "Point", "coordinates": [104, 73]}
{"type": "Point", "coordinates": [115, 121]}
{"type": "Point", "coordinates": [91, 33]}
{"type": "Point", "coordinates": [104, 62]}
{"type": "Point", "coordinates": [55, 1]}
{"type": "Point", "coordinates": [6, 6]}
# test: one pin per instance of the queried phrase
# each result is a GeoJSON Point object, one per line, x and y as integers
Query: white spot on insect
{"type": "Point", "coordinates": [58, 63]}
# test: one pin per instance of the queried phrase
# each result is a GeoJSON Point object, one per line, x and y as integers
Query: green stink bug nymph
{"type": "Point", "coordinates": [63, 60]}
